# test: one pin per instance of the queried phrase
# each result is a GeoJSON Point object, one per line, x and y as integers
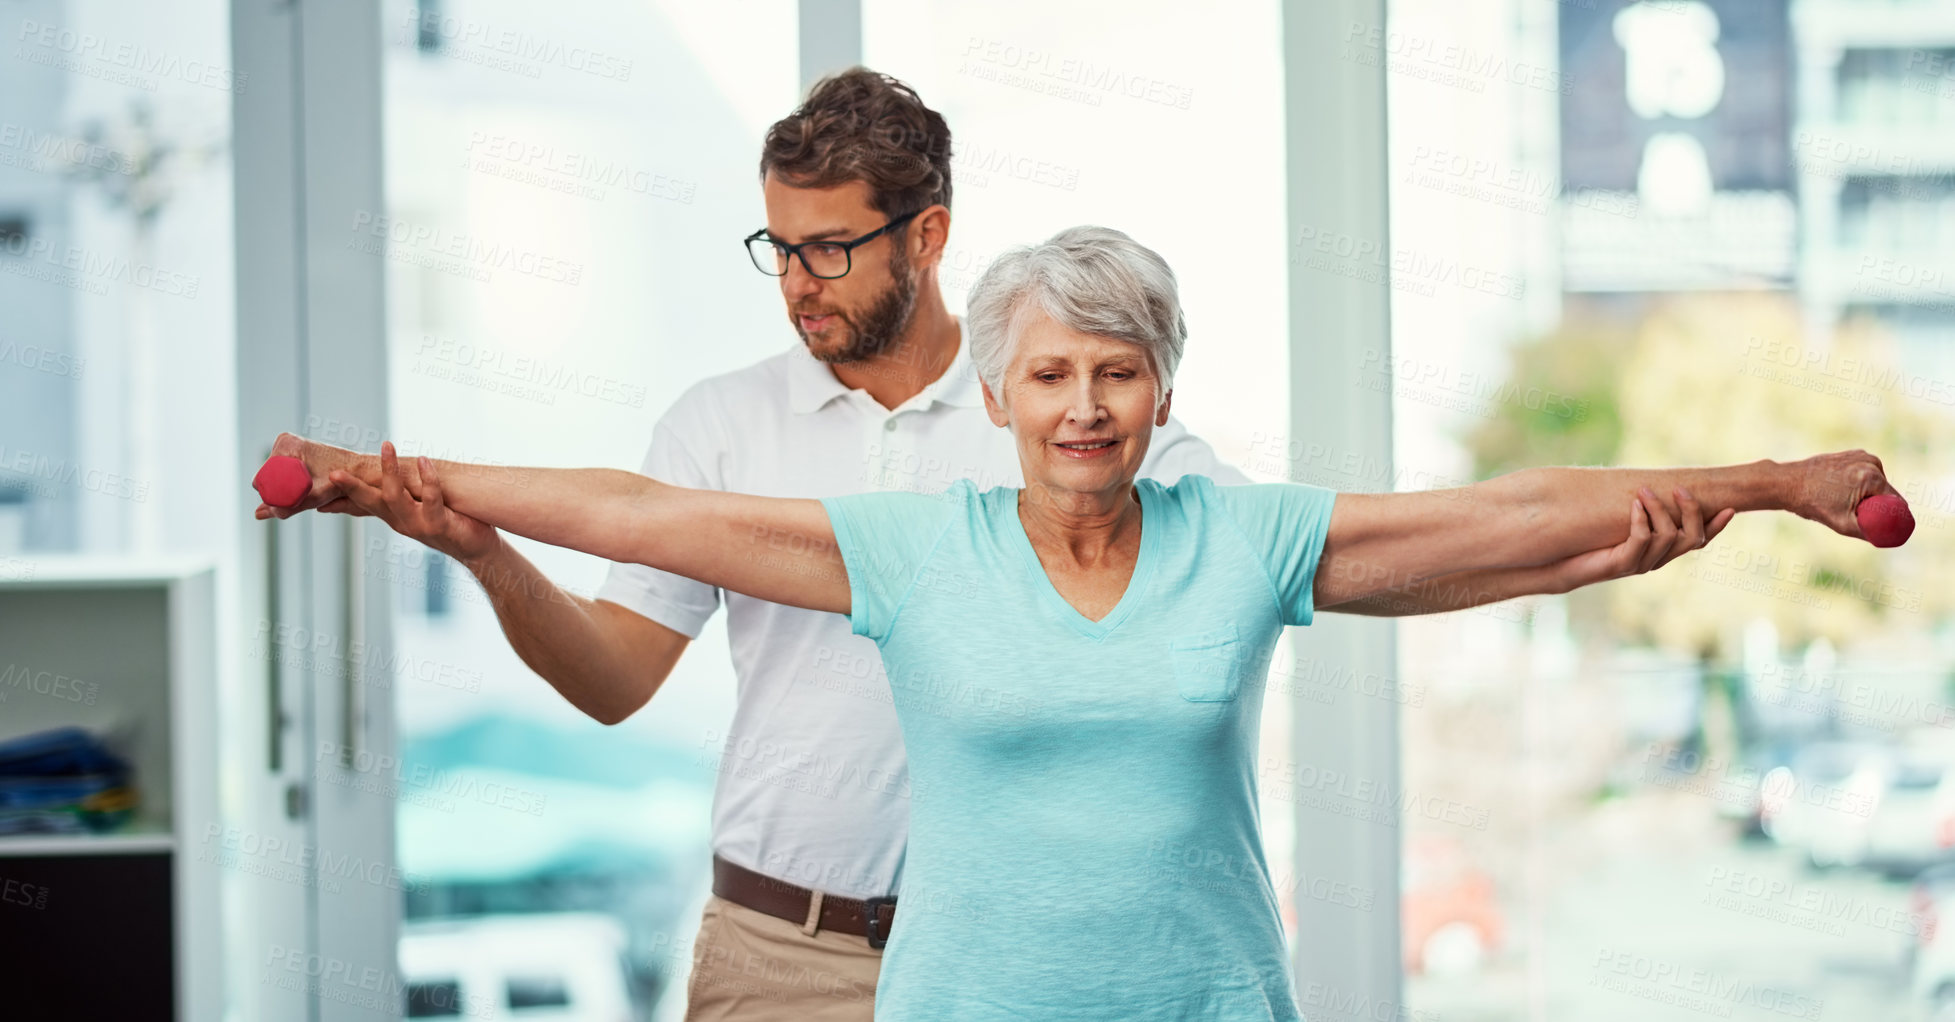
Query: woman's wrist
{"type": "Point", "coordinates": [1774, 486]}
{"type": "Point", "coordinates": [1762, 485]}
{"type": "Point", "coordinates": [326, 459]}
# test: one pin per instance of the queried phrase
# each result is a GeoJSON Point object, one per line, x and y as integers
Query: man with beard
{"type": "Point", "coordinates": [810, 808]}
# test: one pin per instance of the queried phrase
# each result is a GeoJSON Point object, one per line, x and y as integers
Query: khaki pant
{"type": "Point", "coordinates": [748, 966]}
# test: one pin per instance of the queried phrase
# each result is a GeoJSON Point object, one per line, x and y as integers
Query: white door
{"type": "Point", "coordinates": [314, 928]}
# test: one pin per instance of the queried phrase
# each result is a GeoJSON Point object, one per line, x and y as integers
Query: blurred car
{"type": "Point", "coordinates": [1930, 888]}
{"type": "Point", "coordinates": [1822, 803]}
{"type": "Point", "coordinates": [1739, 794]}
{"type": "Point", "coordinates": [1933, 898]}
{"type": "Point", "coordinates": [545, 967]}
{"type": "Point", "coordinates": [1913, 824]}
{"type": "Point", "coordinates": [1449, 914]}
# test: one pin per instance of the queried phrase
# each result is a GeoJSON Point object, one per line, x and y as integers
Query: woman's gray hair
{"type": "Point", "coordinates": [1095, 280]}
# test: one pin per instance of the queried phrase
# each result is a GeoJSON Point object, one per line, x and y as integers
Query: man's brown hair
{"type": "Point", "coordinates": [862, 125]}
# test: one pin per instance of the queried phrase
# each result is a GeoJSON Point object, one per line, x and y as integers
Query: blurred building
{"type": "Point", "coordinates": [1801, 146]}
{"type": "Point", "coordinates": [1676, 123]}
{"type": "Point", "coordinates": [1875, 157]}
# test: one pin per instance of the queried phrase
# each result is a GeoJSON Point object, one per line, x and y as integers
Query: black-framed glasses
{"type": "Point", "coordinates": [824, 259]}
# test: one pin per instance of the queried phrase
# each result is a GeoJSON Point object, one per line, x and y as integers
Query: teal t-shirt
{"type": "Point", "coordinates": [1084, 839]}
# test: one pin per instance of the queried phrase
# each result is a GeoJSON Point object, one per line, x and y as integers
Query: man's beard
{"type": "Point", "coordinates": [876, 330]}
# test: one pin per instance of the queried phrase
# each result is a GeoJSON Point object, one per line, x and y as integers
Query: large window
{"type": "Point", "coordinates": [115, 277]}
{"type": "Point", "coordinates": [1646, 233]}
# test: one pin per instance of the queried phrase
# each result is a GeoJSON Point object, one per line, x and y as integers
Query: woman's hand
{"type": "Point", "coordinates": [1828, 489]}
{"type": "Point", "coordinates": [414, 508]}
{"type": "Point", "coordinates": [1654, 540]}
{"type": "Point", "coordinates": [320, 460]}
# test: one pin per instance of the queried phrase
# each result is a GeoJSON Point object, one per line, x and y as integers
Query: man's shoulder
{"type": "Point", "coordinates": [704, 403]}
{"type": "Point", "coordinates": [767, 376]}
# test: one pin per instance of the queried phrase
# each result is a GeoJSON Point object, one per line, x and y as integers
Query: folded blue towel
{"type": "Point", "coordinates": [58, 752]}
{"type": "Point", "coordinates": [62, 781]}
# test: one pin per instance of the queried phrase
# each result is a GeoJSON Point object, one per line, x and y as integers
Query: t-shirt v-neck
{"type": "Point", "coordinates": [1136, 584]}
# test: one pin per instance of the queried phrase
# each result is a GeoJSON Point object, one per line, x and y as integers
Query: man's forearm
{"type": "Point", "coordinates": [558, 635]}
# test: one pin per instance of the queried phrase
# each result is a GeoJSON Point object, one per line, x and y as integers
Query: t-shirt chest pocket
{"type": "Point", "coordinates": [1208, 665]}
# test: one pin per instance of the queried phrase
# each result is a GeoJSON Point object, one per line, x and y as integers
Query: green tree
{"type": "Point", "coordinates": [1729, 378]}
{"type": "Point", "coordinates": [1582, 360]}
{"type": "Point", "coordinates": [1726, 378]}
{"type": "Point", "coordinates": [1721, 379]}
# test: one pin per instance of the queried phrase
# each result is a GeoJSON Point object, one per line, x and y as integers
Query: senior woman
{"type": "Point", "coordinates": [1077, 665]}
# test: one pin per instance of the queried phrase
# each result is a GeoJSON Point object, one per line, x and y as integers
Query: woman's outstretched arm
{"type": "Point", "coordinates": [1536, 516]}
{"type": "Point", "coordinates": [1654, 540]}
{"type": "Point", "coordinates": [772, 548]}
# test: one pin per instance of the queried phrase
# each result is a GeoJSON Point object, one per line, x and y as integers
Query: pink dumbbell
{"type": "Point", "coordinates": [1885, 519]}
{"type": "Point", "coordinates": [283, 481]}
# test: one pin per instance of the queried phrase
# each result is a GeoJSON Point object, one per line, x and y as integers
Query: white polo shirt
{"type": "Point", "coordinates": [812, 786]}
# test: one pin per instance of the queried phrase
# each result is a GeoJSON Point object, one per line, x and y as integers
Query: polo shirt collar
{"type": "Point", "coordinates": [811, 384]}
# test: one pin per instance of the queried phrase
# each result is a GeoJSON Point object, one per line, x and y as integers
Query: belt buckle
{"type": "Point", "coordinates": [869, 906]}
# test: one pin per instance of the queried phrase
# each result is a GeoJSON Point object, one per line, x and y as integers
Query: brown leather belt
{"type": "Point", "coordinates": [869, 918]}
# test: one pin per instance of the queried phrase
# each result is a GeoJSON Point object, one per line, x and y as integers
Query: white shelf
{"type": "Point", "coordinates": [138, 841]}
{"type": "Point", "coordinates": [126, 646]}
{"type": "Point", "coordinates": [112, 571]}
